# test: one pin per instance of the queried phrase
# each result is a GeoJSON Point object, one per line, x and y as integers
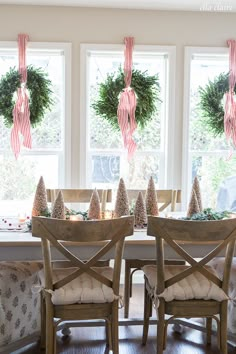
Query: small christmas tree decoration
{"type": "Point", "coordinates": [197, 190]}
{"type": "Point", "coordinates": [58, 210]}
{"type": "Point", "coordinates": [193, 207]}
{"type": "Point", "coordinates": [94, 207]}
{"type": "Point", "coordinates": [140, 216]}
{"type": "Point", "coordinates": [151, 199]}
{"type": "Point", "coordinates": [40, 206]}
{"type": "Point", "coordinates": [122, 200]}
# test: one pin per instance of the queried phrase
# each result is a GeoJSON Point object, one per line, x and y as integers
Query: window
{"type": "Point", "coordinates": [18, 178]}
{"type": "Point", "coordinates": [204, 154]}
{"type": "Point", "coordinates": [103, 158]}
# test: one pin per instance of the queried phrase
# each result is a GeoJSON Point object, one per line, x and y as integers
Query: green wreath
{"type": "Point", "coordinates": [146, 87]}
{"type": "Point", "coordinates": [211, 105]}
{"type": "Point", "coordinates": [39, 87]}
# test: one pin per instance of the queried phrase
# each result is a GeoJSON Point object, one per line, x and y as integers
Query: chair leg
{"type": "Point", "coordinates": [108, 334]}
{"type": "Point", "coordinates": [127, 290]}
{"type": "Point", "coordinates": [50, 332]}
{"type": "Point", "coordinates": [115, 328]}
{"type": "Point", "coordinates": [161, 327]}
{"type": "Point", "coordinates": [208, 329]}
{"type": "Point", "coordinates": [223, 327]}
{"type": "Point", "coordinates": [146, 315]}
{"type": "Point", "coordinates": [43, 323]}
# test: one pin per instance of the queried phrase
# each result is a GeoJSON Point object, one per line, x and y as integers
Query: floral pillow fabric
{"type": "Point", "coordinates": [19, 304]}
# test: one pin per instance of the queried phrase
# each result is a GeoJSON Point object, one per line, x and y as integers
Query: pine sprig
{"type": "Point", "coordinates": [146, 87]}
{"type": "Point", "coordinates": [209, 214]}
{"type": "Point", "coordinates": [40, 91]}
{"type": "Point", "coordinates": [211, 105]}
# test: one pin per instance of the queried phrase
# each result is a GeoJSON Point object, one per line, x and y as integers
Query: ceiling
{"type": "Point", "coordinates": [182, 5]}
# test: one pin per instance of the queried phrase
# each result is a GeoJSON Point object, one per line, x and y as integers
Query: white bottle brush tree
{"type": "Point", "coordinates": [151, 199]}
{"type": "Point", "coordinates": [196, 188]}
{"type": "Point", "coordinates": [94, 211]}
{"type": "Point", "coordinates": [58, 210]}
{"type": "Point", "coordinates": [40, 206]}
{"type": "Point", "coordinates": [140, 215]}
{"type": "Point", "coordinates": [122, 200]}
{"type": "Point", "coordinates": [193, 207]}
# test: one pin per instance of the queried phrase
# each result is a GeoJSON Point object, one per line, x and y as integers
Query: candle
{"type": "Point", "coordinates": [107, 214]}
{"type": "Point", "coordinates": [104, 199]}
{"type": "Point", "coordinates": [22, 218]}
{"type": "Point", "coordinates": [76, 217]}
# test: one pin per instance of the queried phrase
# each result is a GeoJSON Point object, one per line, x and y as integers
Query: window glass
{"type": "Point", "coordinates": [107, 159]}
{"type": "Point", "coordinates": [19, 178]}
{"type": "Point", "coordinates": [208, 155]}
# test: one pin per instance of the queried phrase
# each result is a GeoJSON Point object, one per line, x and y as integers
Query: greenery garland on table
{"type": "Point", "coordinates": [209, 214]}
{"type": "Point", "coordinates": [39, 87]}
{"type": "Point", "coordinates": [211, 103]}
{"type": "Point", "coordinates": [146, 87]}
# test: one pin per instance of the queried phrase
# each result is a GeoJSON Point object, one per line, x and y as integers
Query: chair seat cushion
{"type": "Point", "coordinates": [83, 289]}
{"type": "Point", "coordinates": [195, 286]}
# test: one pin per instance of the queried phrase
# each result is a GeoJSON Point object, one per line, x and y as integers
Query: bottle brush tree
{"type": "Point", "coordinates": [122, 200]}
{"type": "Point", "coordinates": [151, 199]}
{"type": "Point", "coordinates": [94, 211]}
{"type": "Point", "coordinates": [58, 210]}
{"type": "Point", "coordinates": [140, 215]}
{"type": "Point", "coordinates": [40, 206]}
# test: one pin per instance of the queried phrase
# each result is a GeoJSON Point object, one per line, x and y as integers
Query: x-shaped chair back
{"type": "Point", "coordinates": [107, 234]}
{"type": "Point", "coordinates": [80, 195]}
{"type": "Point", "coordinates": [174, 233]}
{"type": "Point", "coordinates": [165, 197]}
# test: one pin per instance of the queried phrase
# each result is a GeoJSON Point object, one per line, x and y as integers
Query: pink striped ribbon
{"type": "Point", "coordinates": [127, 103]}
{"type": "Point", "coordinates": [230, 104]}
{"type": "Point", "coordinates": [21, 112]}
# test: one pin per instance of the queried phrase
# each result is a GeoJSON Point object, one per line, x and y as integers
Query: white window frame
{"type": "Point", "coordinates": [64, 177]}
{"type": "Point", "coordinates": [170, 107]}
{"type": "Point", "coordinates": [186, 168]}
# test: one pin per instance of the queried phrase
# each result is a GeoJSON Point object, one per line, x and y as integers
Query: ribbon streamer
{"type": "Point", "coordinates": [21, 112]}
{"type": "Point", "coordinates": [127, 103]}
{"type": "Point", "coordinates": [230, 105]}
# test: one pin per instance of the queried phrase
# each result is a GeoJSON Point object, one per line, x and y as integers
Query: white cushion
{"type": "Point", "coordinates": [195, 286]}
{"type": "Point", "coordinates": [83, 289]}
{"type": "Point", "coordinates": [218, 264]}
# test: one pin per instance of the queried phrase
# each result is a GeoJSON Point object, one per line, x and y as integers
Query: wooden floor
{"type": "Point", "coordinates": [91, 340]}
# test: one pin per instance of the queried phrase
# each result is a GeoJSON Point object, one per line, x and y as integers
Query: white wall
{"type": "Point", "coordinates": [86, 25]}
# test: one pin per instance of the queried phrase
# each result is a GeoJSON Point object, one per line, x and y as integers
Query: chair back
{"type": "Point", "coordinates": [80, 196]}
{"type": "Point", "coordinates": [106, 236]}
{"type": "Point", "coordinates": [165, 197]}
{"type": "Point", "coordinates": [175, 233]}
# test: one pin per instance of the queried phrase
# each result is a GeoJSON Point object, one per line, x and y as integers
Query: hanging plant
{"type": "Point", "coordinates": [146, 87]}
{"type": "Point", "coordinates": [39, 88]}
{"type": "Point", "coordinates": [211, 103]}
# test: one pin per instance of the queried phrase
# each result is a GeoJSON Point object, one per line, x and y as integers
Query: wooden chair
{"type": "Point", "coordinates": [73, 281]}
{"type": "Point", "coordinates": [194, 290]}
{"type": "Point", "coordinates": [80, 196]}
{"type": "Point", "coordinates": [166, 198]}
